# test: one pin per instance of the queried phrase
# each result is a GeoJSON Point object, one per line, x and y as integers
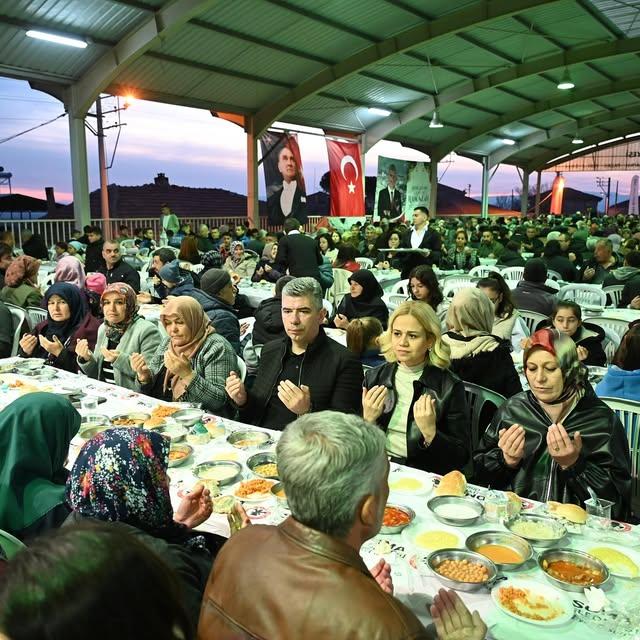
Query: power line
{"type": "Point", "coordinates": [17, 135]}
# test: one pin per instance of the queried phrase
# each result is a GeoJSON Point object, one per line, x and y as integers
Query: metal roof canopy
{"type": "Point", "coordinates": [489, 67]}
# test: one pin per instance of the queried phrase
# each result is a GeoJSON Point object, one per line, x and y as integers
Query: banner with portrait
{"type": "Point", "coordinates": [418, 186]}
{"type": "Point", "coordinates": [283, 176]}
{"type": "Point", "coordinates": [390, 188]}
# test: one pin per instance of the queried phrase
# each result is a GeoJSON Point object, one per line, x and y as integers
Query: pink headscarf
{"type": "Point", "coordinates": [70, 269]}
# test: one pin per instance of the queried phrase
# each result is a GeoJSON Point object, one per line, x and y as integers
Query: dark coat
{"type": "Point", "coordinates": [604, 463]}
{"type": "Point", "coordinates": [93, 260]}
{"type": "Point", "coordinates": [332, 373]}
{"type": "Point", "coordinates": [431, 240]}
{"type": "Point", "coordinates": [563, 266]}
{"type": "Point", "coordinates": [122, 272]}
{"type": "Point", "coordinates": [225, 321]}
{"type": "Point", "coordinates": [299, 254]}
{"type": "Point", "coordinates": [450, 448]}
{"type": "Point", "coordinates": [6, 331]}
{"type": "Point", "coordinates": [386, 208]}
{"type": "Point", "coordinates": [534, 296]}
{"type": "Point", "coordinates": [630, 291]}
{"type": "Point", "coordinates": [269, 276]}
{"type": "Point", "coordinates": [268, 325]}
{"type": "Point", "coordinates": [36, 248]}
{"type": "Point", "coordinates": [298, 208]}
{"type": "Point", "coordinates": [510, 258]}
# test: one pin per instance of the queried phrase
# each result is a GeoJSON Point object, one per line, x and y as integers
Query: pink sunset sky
{"type": "Point", "coordinates": [193, 149]}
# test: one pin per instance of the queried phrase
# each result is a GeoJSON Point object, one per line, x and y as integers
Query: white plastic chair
{"type": "Point", "coordinates": [394, 300]}
{"type": "Point", "coordinates": [365, 263]}
{"type": "Point", "coordinates": [35, 315]}
{"type": "Point", "coordinates": [451, 284]}
{"type": "Point", "coordinates": [482, 271]}
{"type": "Point", "coordinates": [552, 284]}
{"type": "Point", "coordinates": [553, 275]}
{"type": "Point", "coordinates": [18, 316]}
{"type": "Point", "coordinates": [329, 307]}
{"type": "Point", "coordinates": [615, 293]}
{"type": "Point", "coordinates": [515, 274]}
{"type": "Point", "coordinates": [584, 294]}
{"type": "Point", "coordinates": [531, 319]}
{"type": "Point", "coordinates": [339, 288]}
{"type": "Point", "coordinates": [402, 286]}
{"type": "Point", "coordinates": [629, 413]}
{"type": "Point", "coordinates": [242, 367]}
{"type": "Point", "coordinates": [610, 343]}
{"type": "Point", "coordinates": [618, 326]}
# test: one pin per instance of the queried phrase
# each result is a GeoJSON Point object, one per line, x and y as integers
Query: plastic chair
{"type": "Point", "coordinates": [614, 293]}
{"type": "Point", "coordinates": [329, 307]}
{"type": "Point", "coordinates": [552, 284]}
{"type": "Point", "coordinates": [402, 286]}
{"type": "Point", "coordinates": [618, 326]}
{"type": "Point", "coordinates": [629, 413]}
{"type": "Point", "coordinates": [394, 300]}
{"type": "Point", "coordinates": [242, 366]}
{"type": "Point", "coordinates": [10, 545]}
{"type": "Point", "coordinates": [35, 315]}
{"type": "Point", "coordinates": [610, 343]}
{"type": "Point", "coordinates": [531, 319]}
{"type": "Point", "coordinates": [339, 288]}
{"type": "Point", "coordinates": [365, 263]}
{"type": "Point", "coordinates": [129, 243]}
{"type": "Point", "coordinates": [553, 275]}
{"type": "Point", "coordinates": [515, 274]}
{"type": "Point", "coordinates": [451, 284]}
{"type": "Point", "coordinates": [19, 316]}
{"type": "Point", "coordinates": [482, 271]}
{"type": "Point", "coordinates": [584, 294]}
{"type": "Point", "coordinates": [477, 398]}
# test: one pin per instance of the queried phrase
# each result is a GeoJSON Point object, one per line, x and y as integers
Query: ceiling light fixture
{"type": "Point", "coordinates": [435, 121]}
{"type": "Point", "coordinates": [566, 82]}
{"type": "Point", "coordinates": [577, 139]}
{"type": "Point", "coordinates": [378, 111]}
{"type": "Point", "coordinates": [508, 141]}
{"type": "Point", "coordinates": [52, 37]}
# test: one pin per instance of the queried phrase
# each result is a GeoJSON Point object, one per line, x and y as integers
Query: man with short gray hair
{"type": "Point", "coordinates": [303, 372]}
{"type": "Point", "coordinates": [603, 262]}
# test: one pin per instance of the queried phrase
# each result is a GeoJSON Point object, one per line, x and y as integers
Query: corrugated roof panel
{"type": "Point", "coordinates": [361, 88]}
{"type": "Point", "coordinates": [616, 100]}
{"type": "Point", "coordinates": [438, 8]}
{"type": "Point", "coordinates": [496, 100]}
{"type": "Point", "coordinates": [554, 18]}
{"type": "Point", "coordinates": [547, 119]}
{"type": "Point", "coordinates": [625, 15]}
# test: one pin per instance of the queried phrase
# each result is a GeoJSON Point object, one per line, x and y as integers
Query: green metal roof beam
{"type": "Point", "coordinates": [563, 99]}
{"type": "Point", "coordinates": [478, 13]}
{"type": "Point", "coordinates": [496, 79]}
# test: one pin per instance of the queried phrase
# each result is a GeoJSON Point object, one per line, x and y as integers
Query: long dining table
{"type": "Point", "coordinates": [415, 584]}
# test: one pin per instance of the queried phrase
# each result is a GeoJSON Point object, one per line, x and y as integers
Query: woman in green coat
{"type": "Point", "coordinates": [21, 283]}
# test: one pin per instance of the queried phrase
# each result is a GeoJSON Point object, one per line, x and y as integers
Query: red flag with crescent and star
{"type": "Point", "coordinates": [346, 180]}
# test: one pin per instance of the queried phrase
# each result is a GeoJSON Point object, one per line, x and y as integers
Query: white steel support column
{"type": "Point", "coordinates": [485, 186]}
{"type": "Point", "coordinates": [79, 172]}
{"type": "Point", "coordinates": [253, 210]}
{"type": "Point", "coordinates": [524, 198]}
{"type": "Point", "coordinates": [433, 195]}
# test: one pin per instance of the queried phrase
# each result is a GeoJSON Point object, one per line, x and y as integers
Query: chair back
{"type": "Point", "coordinates": [340, 286]}
{"type": "Point", "coordinates": [242, 367]}
{"type": "Point", "coordinates": [129, 243]}
{"type": "Point", "coordinates": [477, 397]}
{"type": "Point", "coordinates": [451, 284]}
{"type": "Point", "coordinates": [553, 275]}
{"type": "Point", "coordinates": [10, 544]}
{"type": "Point", "coordinates": [365, 263]}
{"type": "Point", "coordinates": [610, 343]}
{"type": "Point", "coordinates": [394, 300]}
{"type": "Point", "coordinates": [531, 319]}
{"type": "Point", "coordinates": [515, 274]}
{"type": "Point", "coordinates": [552, 284]}
{"type": "Point", "coordinates": [584, 294]}
{"type": "Point", "coordinates": [482, 271]}
{"type": "Point", "coordinates": [18, 316]}
{"type": "Point", "coordinates": [617, 325]}
{"type": "Point", "coordinates": [35, 315]}
{"type": "Point", "coordinates": [629, 413]}
{"type": "Point", "coordinates": [614, 293]}
{"type": "Point", "coordinates": [402, 286]}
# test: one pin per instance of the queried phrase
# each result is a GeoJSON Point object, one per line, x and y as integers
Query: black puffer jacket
{"type": "Point", "coordinates": [268, 325]}
{"type": "Point", "coordinates": [604, 463]}
{"type": "Point", "coordinates": [225, 321]}
{"type": "Point", "coordinates": [449, 450]}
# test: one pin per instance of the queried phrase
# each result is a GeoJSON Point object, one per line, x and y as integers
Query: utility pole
{"type": "Point", "coordinates": [102, 162]}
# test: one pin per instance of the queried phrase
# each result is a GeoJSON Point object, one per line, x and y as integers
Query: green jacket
{"type": "Point", "coordinates": [23, 296]}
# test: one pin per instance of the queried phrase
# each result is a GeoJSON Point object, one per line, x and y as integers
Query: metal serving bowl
{"type": "Point", "coordinates": [137, 417]}
{"type": "Point", "coordinates": [255, 438]}
{"type": "Point", "coordinates": [183, 448]}
{"type": "Point", "coordinates": [262, 458]}
{"type": "Point", "coordinates": [556, 526]}
{"type": "Point", "coordinates": [439, 501]}
{"type": "Point", "coordinates": [234, 470]}
{"type": "Point", "coordinates": [577, 557]}
{"type": "Point", "coordinates": [282, 501]}
{"type": "Point", "coordinates": [188, 417]}
{"type": "Point", "coordinates": [387, 529]}
{"type": "Point", "coordinates": [504, 539]}
{"type": "Point", "coordinates": [174, 432]}
{"type": "Point", "coordinates": [437, 557]}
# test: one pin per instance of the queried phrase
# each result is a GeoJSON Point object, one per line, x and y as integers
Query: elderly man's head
{"type": "Point", "coordinates": [602, 251]}
{"type": "Point", "coordinates": [334, 469]}
{"type": "Point", "coordinates": [111, 253]}
{"type": "Point", "coordinates": [370, 233]}
{"type": "Point", "coordinates": [287, 164]}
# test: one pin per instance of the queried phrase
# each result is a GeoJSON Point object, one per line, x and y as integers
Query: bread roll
{"type": "Point", "coordinates": [452, 484]}
{"type": "Point", "coordinates": [515, 503]}
{"type": "Point", "coordinates": [570, 512]}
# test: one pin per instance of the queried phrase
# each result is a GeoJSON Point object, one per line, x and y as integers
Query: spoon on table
{"type": "Point", "coordinates": [594, 497]}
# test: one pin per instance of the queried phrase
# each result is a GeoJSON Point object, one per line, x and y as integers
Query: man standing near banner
{"type": "Point", "coordinates": [390, 198]}
{"type": "Point", "coordinates": [290, 200]}
{"type": "Point", "coordinates": [426, 243]}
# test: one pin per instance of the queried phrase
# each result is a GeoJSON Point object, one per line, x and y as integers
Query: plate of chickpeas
{"type": "Point", "coordinates": [462, 570]}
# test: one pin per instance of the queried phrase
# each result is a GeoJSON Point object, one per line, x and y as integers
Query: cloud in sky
{"type": "Point", "coordinates": [192, 149]}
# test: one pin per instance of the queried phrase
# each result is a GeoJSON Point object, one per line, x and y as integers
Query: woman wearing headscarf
{"type": "Point", "coordinates": [35, 432]}
{"type": "Point", "coordinates": [21, 283]}
{"type": "Point", "coordinates": [68, 320]}
{"type": "Point", "coordinates": [239, 264]}
{"type": "Point", "coordinates": [69, 269]}
{"type": "Point", "coordinates": [363, 300]}
{"type": "Point", "coordinates": [265, 269]}
{"type": "Point", "coordinates": [556, 440]}
{"type": "Point", "coordinates": [120, 476]}
{"type": "Point", "coordinates": [122, 333]}
{"type": "Point", "coordinates": [477, 356]}
{"type": "Point", "coordinates": [192, 363]}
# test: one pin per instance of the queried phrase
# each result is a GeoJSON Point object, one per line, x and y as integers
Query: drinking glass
{"type": "Point", "coordinates": [598, 513]}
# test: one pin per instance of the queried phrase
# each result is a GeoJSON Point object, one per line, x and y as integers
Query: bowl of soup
{"type": "Point", "coordinates": [396, 517]}
{"type": "Point", "coordinates": [222, 472]}
{"type": "Point", "coordinates": [573, 570]}
{"type": "Point", "coordinates": [458, 511]}
{"type": "Point", "coordinates": [505, 550]}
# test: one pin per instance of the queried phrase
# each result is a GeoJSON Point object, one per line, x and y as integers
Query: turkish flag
{"type": "Point", "coordinates": [346, 180]}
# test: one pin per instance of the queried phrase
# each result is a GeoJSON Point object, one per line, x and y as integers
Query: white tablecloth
{"type": "Point", "coordinates": [414, 584]}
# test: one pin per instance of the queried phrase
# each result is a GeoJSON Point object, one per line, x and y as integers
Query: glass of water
{"type": "Point", "coordinates": [88, 403]}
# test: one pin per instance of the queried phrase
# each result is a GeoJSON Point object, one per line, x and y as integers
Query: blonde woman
{"type": "Point", "coordinates": [414, 398]}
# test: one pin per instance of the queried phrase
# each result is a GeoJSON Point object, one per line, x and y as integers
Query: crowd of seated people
{"type": "Point", "coordinates": [404, 369]}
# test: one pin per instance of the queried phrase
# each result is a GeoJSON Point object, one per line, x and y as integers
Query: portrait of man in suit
{"type": "Point", "coordinates": [288, 201]}
{"type": "Point", "coordinates": [390, 198]}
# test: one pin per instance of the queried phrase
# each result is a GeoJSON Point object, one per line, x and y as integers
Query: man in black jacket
{"type": "Point", "coordinates": [115, 269]}
{"type": "Point", "coordinates": [531, 293]}
{"type": "Point", "coordinates": [298, 253]}
{"type": "Point", "coordinates": [217, 284]}
{"type": "Point", "coordinates": [93, 259]}
{"type": "Point", "coordinates": [423, 238]}
{"type": "Point", "coordinates": [306, 371]}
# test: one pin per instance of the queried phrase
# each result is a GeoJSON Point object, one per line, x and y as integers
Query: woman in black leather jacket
{"type": "Point", "coordinates": [414, 398]}
{"type": "Point", "coordinates": [558, 438]}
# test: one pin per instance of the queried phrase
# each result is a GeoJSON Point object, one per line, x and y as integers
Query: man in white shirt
{"type": "Point", "coordinates": [290, 200]}
{"type": "Point", "coordinates": [420, 237]}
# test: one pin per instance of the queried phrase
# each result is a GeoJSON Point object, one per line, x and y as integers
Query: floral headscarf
{"type": "Point", "coordinates": [22, 269]}
{"type": "Point", "coordinates": [121, 475]}
{"type": "Point", "coordinates": [115, 331]}
{"type": "Point", "coordinates": [232, 253]}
